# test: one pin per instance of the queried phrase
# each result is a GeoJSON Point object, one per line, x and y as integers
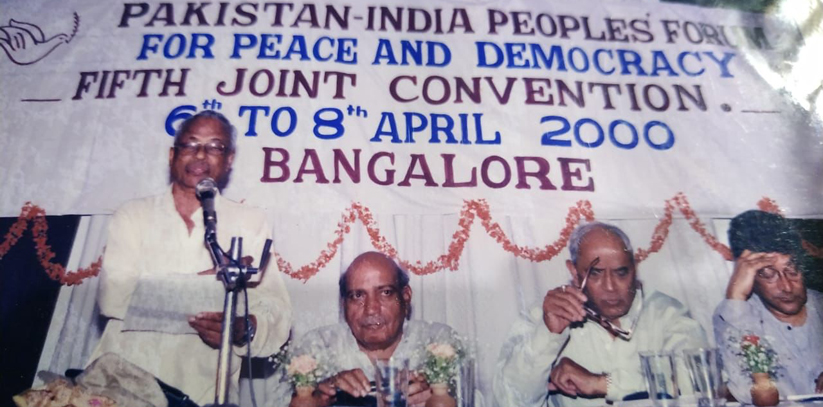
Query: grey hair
{"type": "Point", "coordinates": [228, 130]}
{"type": "Point", "coordinates": [581, 231]}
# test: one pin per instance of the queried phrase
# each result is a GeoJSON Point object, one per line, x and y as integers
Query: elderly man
{"type": "Point", "coordinates": [767, 250]}
{"type": "Point", "coordinates": [162, 237]}
{"type": "Point", "coordinates": [556, 350]}
{"type": "Point", "coordinates": [376, 300]}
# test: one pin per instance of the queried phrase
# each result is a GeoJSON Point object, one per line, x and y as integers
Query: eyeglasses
{"type": "Point", "coordinates": [214, 148]}
{"type": "Point", "coordinates": [770, 274]}
{"type": "Point", "coordinates": [591, 314]}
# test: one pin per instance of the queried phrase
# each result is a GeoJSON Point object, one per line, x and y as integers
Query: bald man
{"type": "Point", "coordinates": [376, 300]}
{"type": "Point", "coordinates": [558, 351]}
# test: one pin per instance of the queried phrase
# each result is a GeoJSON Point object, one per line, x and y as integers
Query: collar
{"type": "Point", "coordinates": [197, 215]}
{"type": "Point", "coordinates": [635, 311]}
{"type": "Point", "coordinates": [401, 346]}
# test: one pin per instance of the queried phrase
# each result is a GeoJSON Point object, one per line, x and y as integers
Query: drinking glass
{"type": "Point", "coordinates": [661, 378]}
{"type": "Point", "coordinates": [704, 376]}
{"type": "Point", "coordinates": [392, 382]}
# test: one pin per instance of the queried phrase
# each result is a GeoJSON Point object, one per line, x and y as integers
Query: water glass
{"type": "Point", "coordinates": [704, 376]}
{"type": "Point", "coordinates": [661, 378]}
{"type": "Point", "coordinates": [464, 383]}
{"type": "Point", "coordinates": [392, 382]}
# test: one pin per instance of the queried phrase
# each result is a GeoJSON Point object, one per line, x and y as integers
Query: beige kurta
{"type": "Point", "coordinates": [148, 238]}
{"type": "Point", "coordinates": [527, 357]}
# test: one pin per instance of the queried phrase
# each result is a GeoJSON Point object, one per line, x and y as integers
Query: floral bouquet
{"type": "Point", "coordinates": [757, 354]}
{"type": "Point", "coordinates": [442, 361]}
{"type": "Point", "coordinates": [303, 371]}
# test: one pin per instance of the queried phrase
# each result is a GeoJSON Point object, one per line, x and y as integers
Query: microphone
{"type": "Point", "coordinates": [206, 190]}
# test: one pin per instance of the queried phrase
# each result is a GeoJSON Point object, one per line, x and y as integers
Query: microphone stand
{"type": "Point", "coordinates": [234, 276]}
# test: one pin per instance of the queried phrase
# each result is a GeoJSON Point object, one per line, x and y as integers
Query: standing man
{"type": "Point", "coordinates": [557, 351]}
{"type": "Point", "coordinates": [767, 250]}
{"type": "Point", "coordinates": [162, 237]}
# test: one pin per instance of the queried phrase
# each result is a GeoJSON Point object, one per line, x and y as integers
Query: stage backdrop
{"type": "Point", "coordinates": [410, 107]}
{"type": "Point", "coordinates": [464, 138]}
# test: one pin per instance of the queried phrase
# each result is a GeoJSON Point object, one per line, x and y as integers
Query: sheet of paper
{"type": "Point", "coordinates": [165, 304]}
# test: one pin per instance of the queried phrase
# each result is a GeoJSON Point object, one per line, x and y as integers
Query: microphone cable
{"type": "Point", "coordinates": [248, 345]}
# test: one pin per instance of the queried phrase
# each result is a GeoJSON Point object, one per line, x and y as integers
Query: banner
{"type": "Point", "coordinates": [412, 108]}
{"type": "Point", "coordinates": [464, 139]}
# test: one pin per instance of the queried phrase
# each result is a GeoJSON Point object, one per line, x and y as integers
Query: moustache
{"type": "Point", "coordinates": [373, 320]}
{"type": "Point", "coordinates": [607, 300]}
{"type": "Point", "coordinates": [788, 298]}
{"type": "Point", "coordinates": [198, 166]}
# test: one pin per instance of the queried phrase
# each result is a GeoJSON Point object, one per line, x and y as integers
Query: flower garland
{"type": "Point", "coordinates": [697, 226]}
{"type": "Point", "coordinates": [451, 259]}
{"type": "Point", "coordinates": [309, 270]}
{"type": "Point", "coordinates": [661, 232]}
{"type": "Point", "coordinates": [767, 204]}
{"type": "Point", "coordinates": [582, 210]}
{"type": "Point", "coordinates": [471, 210]}
{"type": "Point", "coordinates": [36, 217]}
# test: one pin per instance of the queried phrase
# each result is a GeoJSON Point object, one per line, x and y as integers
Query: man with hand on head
{"type": "Point", "coordinates": [376, 300]}
{"type": "Point", "coordinates": [574, 357]}
{"type": "Point", "coordinates": [767, 297]}
{"type": "Point", "coordinates": [161, 237]}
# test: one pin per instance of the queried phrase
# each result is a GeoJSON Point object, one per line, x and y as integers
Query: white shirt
{"type": "Point", "coordinates": [527, 357]}
{"type": "Point", "coordinates": [148, 237]}
{"type": "Point", "coordinates": [336, 349]}
{"type": "Point", "coordinates": [799, 349]}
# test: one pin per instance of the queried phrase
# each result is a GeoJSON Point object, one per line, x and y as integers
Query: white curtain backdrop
{"type": "Point", "coordinates": [479, 300]}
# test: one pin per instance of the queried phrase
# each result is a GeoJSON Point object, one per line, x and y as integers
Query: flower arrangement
{"type": "Point", "coordinates": [442, 360]}
{"type": "Point", "coordinates": [303, 371]}
{"type": "Point", "coordinates": [757, 354]}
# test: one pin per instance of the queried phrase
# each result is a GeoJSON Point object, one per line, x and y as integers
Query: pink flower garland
{"type": "Point", "coordinates": [659, 236]}
{"type": "Point", "coordinates": [697, 226]}
{"type": "Point", "coordinates": [768, 205]}
{"type": "Point", "coordinates": [661, 231]}
{"type": "Point", "coordinates": [36, 217]}
{"type": "Point", "coordinates": [472, 209]}
{"type": "Point", "coordinates": [451, 259]}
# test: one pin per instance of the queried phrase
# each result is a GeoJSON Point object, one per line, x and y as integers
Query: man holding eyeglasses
{"type": "Point", "coordinates": [160, 238]}
{"type": "Point", "coordinates": [767, 250]}
{"type": "Point", "coordinates": [581, 346]}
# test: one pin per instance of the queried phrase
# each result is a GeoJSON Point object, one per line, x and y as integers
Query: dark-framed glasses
{"type": "Point", "coordinates": [594, 316]}
{"type": "Point", "coordinates": [770, 274]}
{"type": "Point", "coordinates": [214, 148]}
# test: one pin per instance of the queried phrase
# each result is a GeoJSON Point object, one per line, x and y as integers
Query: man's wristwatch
{"type": "Point", "coordinates": [609, 382]}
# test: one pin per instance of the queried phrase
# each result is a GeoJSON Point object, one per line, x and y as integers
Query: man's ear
{"type": "Point", "coordinates": [230, 160]}
{"type": "Point", "coordinates": [407, 294]}
{"type": "Point", "coordinates": [573, 273]}
{"type": "Point", "coordinates": [171, 155]}
{"type": "Point", "coordinates": [343, 313]}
